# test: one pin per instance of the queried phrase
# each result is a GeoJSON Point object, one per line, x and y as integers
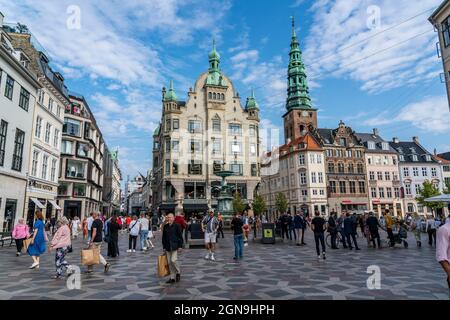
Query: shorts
{"type": "Point", "coordinates": [210, 237]}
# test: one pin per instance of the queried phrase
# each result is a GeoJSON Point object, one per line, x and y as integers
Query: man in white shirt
{"type": "Point", "coordinates": [90, 220]}
{"type": "Point", "coordinates": [143, 232]}
{"type": "Point", "coordinates": [443, 249]}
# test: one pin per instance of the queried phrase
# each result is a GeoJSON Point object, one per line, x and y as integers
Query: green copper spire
{"type": "Point", "coordinates": [214, 73]}
{"type": "Point", "coordinates": [298, 90]}
{"type": "Point", "coordinates": [170, 95]}
{"type": "Point", "coordinates": [251, 102]}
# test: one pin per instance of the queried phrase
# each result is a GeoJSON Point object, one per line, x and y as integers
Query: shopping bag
{"type": "Point", "coordinates": [163, 266]}
{"type": "Point", "coordinates": [26, 244]}
{"type": "Point", "coordinates": [90, 257]}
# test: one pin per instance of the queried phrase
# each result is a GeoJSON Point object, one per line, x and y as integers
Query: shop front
{"type": "Point", "coordinates": [41, 196]}
{"type": "Point", "coordinates": [72, 209]}
{"type": "Point", "coordinates": [353, 206]}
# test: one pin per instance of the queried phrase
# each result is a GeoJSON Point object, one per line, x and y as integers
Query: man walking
{"type": "Point", "coordinates": [143, 232]}
{"type": "Point", "coordinates": [373, 223]}
{"type": "Point", "coordinates": [172, 242]}
{"type": "Point", "coordinates": [304, 222]}
{"type": "Point", "coordinates": [350, 231]}
{"type": "Point", "coordinates": [292, 234]}
{"type": "Point", "coordinates": [210, 224]}
{"type": "Point", "coordinates": [297, 226]}
{"type": "Point", "coordinates": [318, 226]}
{"type": "Point", "coordinates": [389, 223]}
{"type": "Point", "coordinates": [238, 232]}
{"type": "Point", "coordinates": [96, 241]}
{"type": "Point", "coordinates": [332, 229]}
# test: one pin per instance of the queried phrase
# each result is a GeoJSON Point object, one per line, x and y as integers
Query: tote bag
{"type": "Point", "coordinates": [163, 266]}
{"type": "Point", "coordinates": [90, 257]}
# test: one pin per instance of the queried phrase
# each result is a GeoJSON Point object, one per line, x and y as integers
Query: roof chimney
{"type": "Point", "coordinates": [1, 19]}
{"type": "Point", "coordinates": [416, 139]}
{"type": "Point", "coordinates": [395, 140]}
{"type": "Point", "coordinates": [376, 131]}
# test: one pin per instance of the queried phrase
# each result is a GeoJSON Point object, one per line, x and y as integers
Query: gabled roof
{"type": "Point", "coordinates": [445, 155]}
{"type": "Point", "coordinates": [441, 160]}
{"type": "Point", "coordinates": [365, 138]}
{"type": "Point", "coordinates": [308, 141]}
{"type": "Point", "coordinates": [408, 149]}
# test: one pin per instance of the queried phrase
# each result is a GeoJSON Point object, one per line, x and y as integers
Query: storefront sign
{"type": "Point", "coordinates": [38, 185]}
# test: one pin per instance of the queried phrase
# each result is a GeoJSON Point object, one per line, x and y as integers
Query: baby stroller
{"type": "Point", "coordinates": [401, 235]}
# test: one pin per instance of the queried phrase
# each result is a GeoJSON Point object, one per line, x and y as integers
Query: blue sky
{"type": "Point", "coordinates": [370, 63]}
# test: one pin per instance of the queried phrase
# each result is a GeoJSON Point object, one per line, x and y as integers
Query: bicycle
{"type": "Point", "coordinates": [338, 240]}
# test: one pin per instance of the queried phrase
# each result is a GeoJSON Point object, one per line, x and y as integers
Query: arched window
{"type": "Point", "coordinates": [210, 95]}
{"type": "Point", "coordinates": [222, 97]}
{"type": "Point", "coordinates": [214, 96]}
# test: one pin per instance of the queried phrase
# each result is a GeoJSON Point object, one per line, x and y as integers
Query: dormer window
{"type": "Point", "coordinates": [402, 157]}
{"type": "Point", "coordinates": [385, 146]}
{"type": "Point", "coordinates": [414, 158]}
{"type": "Point", "coordinates": [428, 157]}
{"type": "Point", "coordinates": [371, 145]}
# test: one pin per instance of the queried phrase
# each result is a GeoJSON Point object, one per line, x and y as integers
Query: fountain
{"type": "Point", "coordinates": [225, 199]}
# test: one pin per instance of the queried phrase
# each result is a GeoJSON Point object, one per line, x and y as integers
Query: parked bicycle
{"type": "Point", "coordinates": [338, 240]}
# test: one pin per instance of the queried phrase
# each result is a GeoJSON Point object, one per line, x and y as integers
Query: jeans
{"type": "Point", "coordinates": [343, 239]}
{"type": "Point", "coordinates": [132, 241]}
{"type": "Point", "coordinates": [174, 267]}
{"type": "Point", "coordinates": [292, 231]}
{"type": "Point", "coordinates": [319, 236]}
{"type": "Point", "coordinates": [143, 237]}
{"type": "Point", "coordinates": [390, 235]}
{"type": "Point", "coordinates": [375, 235]}
{"type": "Point", "coordinates": [238, 246]}
{"type": "Point", "coordinates": [297, 234]}
{"type": "Point", "coordinates": [349, 242]}
{"type": "Point", "coordinates": [284, 231]}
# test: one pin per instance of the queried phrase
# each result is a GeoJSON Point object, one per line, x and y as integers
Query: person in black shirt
{"type": "Point", "coordinates": [350, 227]}
{"type": "Point", "coordinates": [318, 226]}
{"type": "Point", "coordinates": [238, 231]}
{"type": "Point", "coordinates": [332, 229]}
{"type": "Point", "coordinates": [285, 226]}
{"type": "Point", "coordinates": [373, 223]}
{"type": "Point", "coordinates": [172, 241]}
{"type": "Point", "coordinates": [113, 237]}
{"type": "Point", "coordinates": [96, 241]}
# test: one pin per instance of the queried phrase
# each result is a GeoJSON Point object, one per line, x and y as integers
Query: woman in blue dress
{"type": "Point", "coordinates": [38, 240]}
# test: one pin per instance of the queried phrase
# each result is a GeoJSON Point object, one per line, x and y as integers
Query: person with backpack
{"type": "Point", "coordinates": [133, 229]}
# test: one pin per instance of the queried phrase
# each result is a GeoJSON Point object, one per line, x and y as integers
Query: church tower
{"type": "Point", "coordinates": [300, 115]}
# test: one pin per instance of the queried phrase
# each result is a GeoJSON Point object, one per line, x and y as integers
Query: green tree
{"type": "Point", "coordinates": [281, 203]}
{"type": "Point", "coordinates": [428, 190]}
{"type": "Point", "coordinates": [238, 204]}
{"type": "Point", "coordinates": [259, 205]}
{"type": "Point", "coordinates": [447, 188]}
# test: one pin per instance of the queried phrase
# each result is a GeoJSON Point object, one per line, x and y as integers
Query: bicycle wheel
{"type": "Point", "coordinates": [328, 240]}
{"type": "Point", "coordinates": [338, 240]}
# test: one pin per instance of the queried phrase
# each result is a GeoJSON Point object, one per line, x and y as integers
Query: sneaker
{"type": "Point", "coordinates": [212, 258]}
{"type": "Point", "coordinates": [129, 250]}
{"type": "Point", "coordinates": [207, 256]}
{"type": "Point", "coordinates": [235, 258]}
{"type": "Point", "coordinates": [107, 266]}
{"type": "Point", "coordinates": [18, 254]}
{"type": "Point", "coordinates": [324, 256]}
{"type": "Point", "coordinates": [246, 244]}
{"type": "Point", "coordinates": [34, 266]}
{"type": "Point", "coordinates": [319, 257]}
{"type": "Point", "coordinates": [134, 250]}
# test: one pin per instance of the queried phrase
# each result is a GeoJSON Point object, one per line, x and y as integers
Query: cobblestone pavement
{"type": "Point", "coordinates": [280, 271]}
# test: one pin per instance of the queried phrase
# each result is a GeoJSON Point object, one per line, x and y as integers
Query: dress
{"type": "Point", "coordinates": [39, 245]}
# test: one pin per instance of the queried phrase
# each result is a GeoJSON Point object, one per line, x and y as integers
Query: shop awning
{"type": "Point", "coordinates": [38, 203]}
{"type": "Point", "coordinates": [440, 198]}
{"type": "Point", "coordinates": [54, 204]}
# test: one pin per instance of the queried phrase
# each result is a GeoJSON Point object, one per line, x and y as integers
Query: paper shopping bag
{"type": "Point", "coordinates": [163, 266]}
{"type": "Point", "coordinates": [90, 257]}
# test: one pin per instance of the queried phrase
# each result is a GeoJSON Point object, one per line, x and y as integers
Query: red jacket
{"type": "Point", "coordinates": [180, 220]}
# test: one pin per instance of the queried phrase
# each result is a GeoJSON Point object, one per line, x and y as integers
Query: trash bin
{"type": "Point", "coordinates": [268, 233]}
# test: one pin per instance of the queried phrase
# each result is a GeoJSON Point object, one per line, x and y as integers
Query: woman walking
{"type": "Point", "coordinates": [113, 243]}
{"type": "Point", "coordinates": [134, 228]}
{"type": "Point", "coordinates": [61, 242]}
{"type": "Point", "coordinates": [74, 226]}
{"type": "Point", "coordinates": [20, 233]}
{"type": "Point", "coordinates": [38, 240]}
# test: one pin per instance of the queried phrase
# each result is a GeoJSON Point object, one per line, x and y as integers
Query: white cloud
{"type": "Point", "coordinates": [336, 44]}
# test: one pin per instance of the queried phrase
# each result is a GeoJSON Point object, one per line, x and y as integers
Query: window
{"type": "Point", "coordinates": [58, 111]}
{"type": "Point", "coordinates": [349, 153]}
{"type": "Point", "coordinates": [406, 172]}
{"type": "Point", "coordinates": [394, 161]}
{"type": "Point", "coordinates": [380, 175]}
{"type": "Point", "coordinates": [352, 185]}
{"type": "Point", "coordinates": [387, 176]}
{"type": "Point", "coordinates": [313, 177]}
{"type": "Point", "coordinates": [381, 192]}
{"type": "Point", "coordinates": [342, 187]}
{"type": "Point", "coordinates": [371, 176]}
{"type": "Point", "coordinates": [167, 144]}
{"type": "Point", "coordinates": [34, 163]}
{"type": "Point", "coordinates": [175, 167]}
{"type": "Point", "coordinates": [360, 168]}
{"type": "Point", "coordinates": [168, 125]}
{"type": "Point", "coordinates": [38, 129]}
{"type": "Point", "coordinates": [217, 166]}
{"type": "Point", "coordinates": [252, 149]}
{"type": "Point", "coordinates": [87, 130]}
{"type": "Point", "coordinates": [237, 169]}
{"type": "Point", "coordinates": [415, 171]}
{"type": "Point", "coordinates": [53, 170]}
{"type": "Point", "coordinates": [175, 145]}
{"type": "Point", "coordinates": [322, 192]}
{"type": "Point", "coordinates": [384, 146]}
{"type": "Point", "coordinates": [79, 190]}
{"type": "Point", "coordinates": [408, 189]}
{"type": "Point", "coordinates": [339, 153]}
{"type": "Point", "coordinates": [424, 172]}
{"type": "Point", "coordinates": [76, 169]}
{"type": "Point", "coordinates": [314, 192]}
{"type": "Point", "coordinates": [24, 99]}
{"type": "Point", "coordinates": [44, 167]}
{"type": "Point", "coordinates": [414, 158]}
{"type": "Point", "coordinates": [301, 159]}
{"type": "Point", "coordinates": [254, 170]}
{"type": "Point", "coordinates": [56, 138]}
{"type": "Point", "coordinates": [63, 189]}
{"type": "Point", "coordinates": [235, 129]}
{"type": "Point", "coordinates": [195, 167]}
{"type": "Point", "coordinates": [329, 152]}
{"type": "Point", "coordinates": [176, 124]}
{"type": "Point", "coordinates": [397, 192]}
{"type": "Point", "coordinates": [72, 127]}
{"type": "Point", "coordinates": [167, 167]}
{"type": "Point", "coordinates": [50, 104]}
{"type": "Point", "coordinates": [350, 168]}
{"type": "Point", "coordinates": [312, 159]}
{"type": "Point", "coordinates": [18, 150]}
{"type": "Point", "coordinates": [417, 188]}
{"type": "Point", "coordinates": [302, 178]}
{"type": "Point", "coordinates": [332, 186]}
{"type": "Point", "coordinates": [195, 146]}
{"type": "Point", "coordinates": [428, 157]}
{"type": "Point", "coordinates": [252, 131]}
{"type": "Point", "coordinates": [389, 192]}
{"type": "Point", "coordinates": [320, 177]}
{"type": "Point", "coordinates": [341, 167]}
{"type": "Point", "coordinates": [446, 33]}
{"type": "Point", "coordinates": [216, 124]}
{"type": "Point", "coordinates": [362, 187]}
{"type": "Point", "coordinates": [67, 147]}
{"type": "Point", "coordinates": [83, 150]}
{"type": "Point", "coordinates": [48, 129]}
{"type": "Point", "coordinates": [3, 131]}
{"type": "Point", "coordinates": [195, 126]}
{"type": "Point", "coordinates": [330, 167]}
{"type": "Point", "coordinates": [433, 172]}
{"type": "Point", "coordinates": [371, 145]}
{"type": "Point", "coordinates": [9, 87]}
{"type": "Point", "coordinates": [41, 95]}
{"type": "Point", "coordinates": [373, 192]}
{"type": "Point", "coordinates": [342, 142]}
{"type": "Point", "coordinates": [304, 192]}
{"type": "Point", "coordinates": [319, 159]}
{"type": "Point", "coordinates": [236, 147]}
{"type": "Point", "coordinates": [402, 157]}
{"type": "Point", "coordinates": [445, 168]}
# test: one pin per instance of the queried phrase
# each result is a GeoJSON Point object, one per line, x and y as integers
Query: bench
{"type": "Point", "coordinates": [5, 237]}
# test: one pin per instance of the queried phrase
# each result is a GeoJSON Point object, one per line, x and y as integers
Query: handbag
{"type": "Point", "coordinates": [26, 244]}
{"type": "Point", "coordinates": [163, 266]}
{"type": "Point", "coordinates": [90, 257]}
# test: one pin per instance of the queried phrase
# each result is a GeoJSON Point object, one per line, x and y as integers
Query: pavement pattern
{"type": "Point", "coordinates": [280, 271]}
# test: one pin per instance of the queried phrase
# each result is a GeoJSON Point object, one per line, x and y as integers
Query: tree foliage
{"type": "Point", "coordinates": [259, 205]}
{"type": "Point", "coordinates": [428, 190]}
{"type": "Point", "coordinates": [281, 202]}
{"type": "Point", "coordinates": [238, 204]}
